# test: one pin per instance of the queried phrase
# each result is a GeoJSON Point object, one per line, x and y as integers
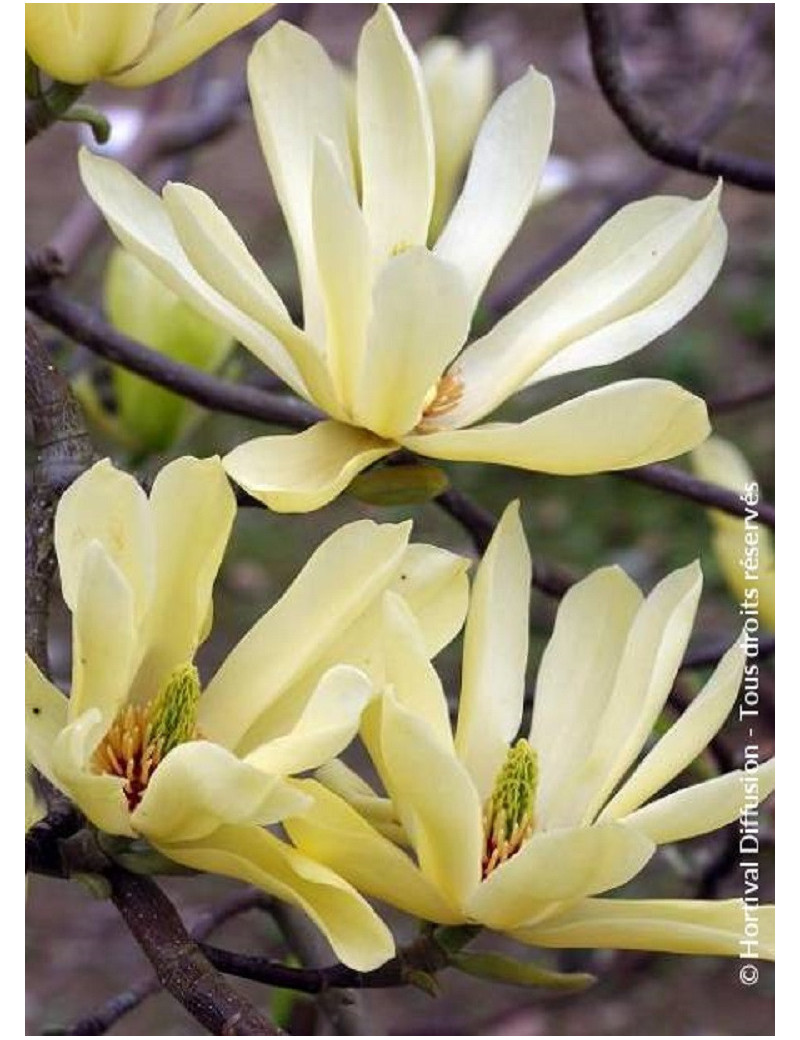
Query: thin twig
{"type": "Point", "coordinates": [92, 331]}
{"type": "Point", "coordinates": [658, 141]}
{"type": "Point", "coordinates": [677, 482]}
{"type": "Point", "coordinates": [342, 1006]}
{"type": "Point", "coordinates": [727, 84]}
{"type": "Point", "coordinates": [181, 967]}
{"type": "Point", "coordinates": [733, 401]}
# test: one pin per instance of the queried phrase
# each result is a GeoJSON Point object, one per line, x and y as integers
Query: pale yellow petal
{"type": "Point", "coordinates": [327, 725]}
{"type": "Point", "coordinates": [685, 740]}
{"type": "Point", "coordinates": [344, 264]}
{"type": "Point", "coordinates": [434, 583]}
{"type": "Point", "coordinates": [356, 934]}
{"type": "Point", "coordinates": [575, 679]}
{"type": "Point", "coordinates": [420, 319]}
{"type": "Point", "coordinates": [45, 717]}
{"type": "Point", "coordinates": [409, 671]}
{"type": "Point", "coordinates": [395, 137]}
{"type": "Point", "coordinates": [505, 171]}
{"type": "Point", "coordinates": [298, 97]}
{"type": "Point", "coordinates": [377, 811]}
{"type": "Point", "coordinates": [219, 255]}
{"type": "Point", "coordinates": [336, 835]}
{"type": "Point", "coordinates": [705, 807]}
{"type": "Point", "coordinates": [436, 801]}
{"type": "Point", "coordinates": [495, 653]}
{"type": "Point", "coordinates": [460, 86]}
{"type": "Point", "coordinates": [343, 576]}
{"type": "Point", "coordinates": [559, 865]}
{"type": "Point", "coordinates": [139, 219]}
{"type": "Point", "coordinates": [108, 506]}
{"type": "Point", "coordinates": [100, 797]}
{"type": "Point", "coordinates": [617, 427]}
{"type": "Point", "coordinates": [200, 785]}
{"type": "Point", "coordinates": [170, 52]}
{"type": "Point", "coordinates": [697, 926]}
{"type": "Point", "coordinates": [193, 508]}
{"type": "Point", "coordinates": [655, 648]}
{"type": "Point", "coordinates": [639, 275]}
{"type": "Point", "coordinates": [106, 645]}
{"type": "Point", "coordinates": [297, 473]}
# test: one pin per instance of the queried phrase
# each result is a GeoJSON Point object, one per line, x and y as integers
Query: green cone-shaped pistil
{"type": "Point", "coordinates": [173, 718]}
{"type": "Point", "coordinates": [508, 814]}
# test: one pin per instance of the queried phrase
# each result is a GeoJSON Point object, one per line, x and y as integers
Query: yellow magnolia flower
{"type": "Point", "coordinates": [523, 835]}
{"type": "Point", "coordinates": [129, 45]}
{"type": "Point", "coordinates": [143, 752]}
{"type": "Point", "coordinates": [149, 416]}
{"type": "Point", "coordinates": [386, 317]}
{"type": "Point", "coordinates": [743, 548]}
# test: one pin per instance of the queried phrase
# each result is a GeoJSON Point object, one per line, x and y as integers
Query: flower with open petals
{"type": "Point", "coordinates": [743, 547]}
{"type": "Point", "coordinates": [386, 318]}
{"type": "Point", "coordinates": [524, 834]}
{"type": "Point", "coordinates": [129, 45]}
{"type": "Point", "coordinates": [137, 745]}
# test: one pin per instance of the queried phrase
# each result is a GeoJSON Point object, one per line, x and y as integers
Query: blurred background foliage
{"type": "Point", "coordinates": [79, 954]}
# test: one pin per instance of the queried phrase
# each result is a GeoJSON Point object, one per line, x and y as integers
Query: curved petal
{"type": "Point", "coordinates": [209, 24]}
{"type": "Point", "coordinates": [505, 171]}
{"type": "Point", "coordinates": [139, 219]}
{"type": "Point", "coordinates": [335, 834]}
{"type": "Point", "coordinates": [395, 137]}
{"type": "Point", "coordinates": [460, 88]}
{"type": "Point", "coordinates": [686, 738]}
{"type": "Point", "coordinates": [495, 653]}
{"type": "Point", "coordinates": [344, 265]}
{"type": "Point", "coordinates": [705, 807]}
{"type": "Point", "coordinates": [373, 809]}
{"type": "Point", "coordinates": [656, 644]}
{"type": "Point", "coordinates": [108, 506]}
{"type": "Point", "coordinates": [45, 717]}
{"type": "Point", "coordinates": [193, 508]}
{"type": "Point", "coordinates": [575, 680]}
{"type": "Point", "coordinates": [559, 865]}
{"type": "Point", "coordinates": [356, 933]}
{"type": "Point", "coordinates": [200, 785]}
{"type": "Point", "coordinates": [218, 254]}
{"type": "Point", "coordinates": [434, 584]}
{"type": "Point", "coordinates": [99, 796]}
{"type": "Point", "coordinates": [409, 671]}
{"type": "Point", "coordinates": [420, 319]}
{"type": "Point", "coordinates": [327, 725]}
{"type": "Point", "coordinates": [617, 427]}
{"type": "Point", "coordinates": [301, 472]}
{"type": "Point", "coordinates": [297, 97]}
{"type": "Point", "coordinates": [639, 275]}
{"type": "Point", "coordinates": [343, 577]}
{"type": "Point", "coordinates": [698, 926]}
{"type": "Point", "coordinates": [106, 645]}
{"type": "Point", "coordinates": [443, 819]}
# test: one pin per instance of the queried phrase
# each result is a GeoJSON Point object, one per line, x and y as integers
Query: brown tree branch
{"type": "Point", "coordinates": [101, 1020]}
{"type": "Point", "coordinates": [733, 401]}
{"type": "Point", "coordinates": [181, 967]}
{"type": "Point", "coordinates": [658, 141]}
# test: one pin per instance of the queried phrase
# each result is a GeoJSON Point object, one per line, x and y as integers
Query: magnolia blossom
{"type": "Point", "coordinates": [129, 45]}
{"type": "Point", "coordinates": [743, 547]}
{"type": "Point", "coordinates": [143, 752]}
{"type": "Point", "coordinates": [522, 835]}
{"type": "Point", "coordinates": [386, 318]}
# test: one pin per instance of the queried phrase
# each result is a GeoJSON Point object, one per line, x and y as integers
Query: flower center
{"type": "Point", "coordinates": [508, 814]}
{"type": "Point", "coordinates": [442, 398]}
{"type": "Point", "coordinates": [142, 735]}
